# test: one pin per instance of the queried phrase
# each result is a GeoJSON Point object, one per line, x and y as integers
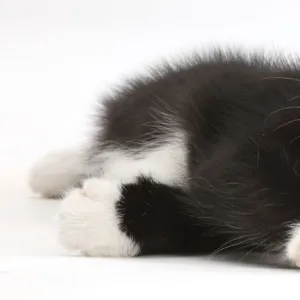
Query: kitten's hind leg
{"type": "Point", "coordinates": [57, 172]}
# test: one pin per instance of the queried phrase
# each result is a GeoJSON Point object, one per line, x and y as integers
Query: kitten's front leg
{"type": "Point", "coordinates": [105, 218]}
{"type": "Point", "coordinates": [90, 222]}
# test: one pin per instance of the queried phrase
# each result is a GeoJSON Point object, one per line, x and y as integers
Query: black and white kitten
{"type": "Point", "coordinates": [201, 155]}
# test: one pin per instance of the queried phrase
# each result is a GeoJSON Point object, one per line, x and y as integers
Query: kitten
{"type": "Point", "coordinates": [200, 156]}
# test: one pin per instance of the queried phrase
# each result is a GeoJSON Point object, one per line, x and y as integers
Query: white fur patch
{"type": "Point", "coordinates": [292, 249]}
{"type": "Point", "coordinates": [57, 172]}
{"type": "Point", "coordinates": [89, 221]}
{"type": "Point", "coordinates": [166, 164]}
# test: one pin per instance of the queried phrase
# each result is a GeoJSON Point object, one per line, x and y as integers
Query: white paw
{"type": "Point", "coordinates": [292, 251]}
{"type": "Point", "coordinates": [56, 172]}
{"type": "Point", "coordinates": [89, 221]}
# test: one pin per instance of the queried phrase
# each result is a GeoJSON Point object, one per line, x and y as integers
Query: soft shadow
{"type": "Point", "coordinates": [258, 260]}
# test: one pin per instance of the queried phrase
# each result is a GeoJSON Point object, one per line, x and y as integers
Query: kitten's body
{"type": "Point", "coordinates": [200, 156]}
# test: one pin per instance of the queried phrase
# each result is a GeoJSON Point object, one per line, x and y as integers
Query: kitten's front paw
{"type": "Point", "coordinates": [89, 221]}
{"type": "Point", "coordinates": [292, 250]}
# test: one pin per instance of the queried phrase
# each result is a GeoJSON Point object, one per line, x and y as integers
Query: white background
{"type": "Point", "coordinates": [56, 58]}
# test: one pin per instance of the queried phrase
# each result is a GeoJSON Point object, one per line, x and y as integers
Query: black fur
{"type": "Point", "coordinates": [241, 116]}
{"type": "Point", "coordinates": [154, 215]}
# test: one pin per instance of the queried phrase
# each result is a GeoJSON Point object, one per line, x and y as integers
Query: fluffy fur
{"type": "Point", "coordinates": [56, 172]}
{"type": "Point", "coordinates": [89, 222]}
{"type": "Point", "coordinates": [202, 155]}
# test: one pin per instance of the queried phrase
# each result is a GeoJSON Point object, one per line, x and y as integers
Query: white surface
{"type": "Point", "coordinates": [34, 266]}
{"type": "Point", "coordinates": [55, 58]}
